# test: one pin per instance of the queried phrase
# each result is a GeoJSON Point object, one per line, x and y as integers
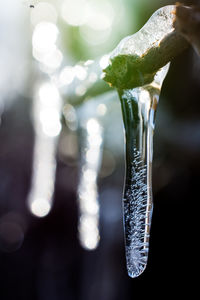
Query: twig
{"type": "Point", "coordinates": [127, 69]}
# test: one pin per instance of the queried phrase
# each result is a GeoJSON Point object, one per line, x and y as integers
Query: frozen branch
{"type": "Point", "coordinates": [137, 58]}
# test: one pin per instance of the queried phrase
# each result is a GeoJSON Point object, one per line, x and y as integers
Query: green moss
{"type": "Point", "coordinates": [128, 71]}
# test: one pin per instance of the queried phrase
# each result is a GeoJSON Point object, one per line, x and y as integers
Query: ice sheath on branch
{"type": "Point", "coordinates": [137, 69]}
{"type": "Point", "coordinates": [137, 58]}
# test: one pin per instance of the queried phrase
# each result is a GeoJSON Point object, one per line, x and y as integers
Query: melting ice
{"type": "Point", "coordinates": [135, 64]}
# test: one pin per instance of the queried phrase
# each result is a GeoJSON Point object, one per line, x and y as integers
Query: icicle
{"type": "Point", "coordinates": [138, 108]}
{"type": "Point", "coordinates": [137, 68]}
{"type": "Point", "coordinates": [47, 126]}
{"type": "Point", "coordinates": [92, 115]}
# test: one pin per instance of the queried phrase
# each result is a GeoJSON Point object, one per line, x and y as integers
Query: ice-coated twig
{"type": "Point", "coordinates": [137, 58]}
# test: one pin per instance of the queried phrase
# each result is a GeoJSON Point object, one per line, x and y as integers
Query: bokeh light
{"type": "Point", "coordinates": [43, 12]}
{"type": "Point", "coordinates": [87, 189]}
{"type": "Point", "coordinates": [40, 207]}
{"type": "Point", "coordinates": [67, 76]}
{"type": "Point", "coordinates": [74, 12]}
{"type": "Point", "coordinates": [46, 116]}
{"type": "Point", "coordinates": [44, 36]}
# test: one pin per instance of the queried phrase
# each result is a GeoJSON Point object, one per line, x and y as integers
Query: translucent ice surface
{"type": "Point", "coordinates": [137, 58]}
{"type": "Point", "coordinates": [151, 34]}
{"type": "Point", "coordinates": [137, 68]}
{"type": "Point", "coordinates": [138, 108]}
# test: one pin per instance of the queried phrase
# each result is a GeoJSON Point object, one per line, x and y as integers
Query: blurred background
{"type": "Point", "coordinates": [59, 131]}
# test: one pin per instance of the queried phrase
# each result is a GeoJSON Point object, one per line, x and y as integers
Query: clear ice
{"type": "Point", "coordinates": [159, 26]}
{"type": "Point", "coordinates": [137, 58]}
{"type": "Point", "coordinates": [138, 108]}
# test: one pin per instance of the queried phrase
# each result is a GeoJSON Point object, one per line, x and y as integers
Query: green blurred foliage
{"type": "Point", "coordinates": [128, 17]}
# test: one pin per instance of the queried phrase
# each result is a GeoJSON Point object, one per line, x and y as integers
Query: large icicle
{"type": "Point", "coordinates": [137, 68]}
{"type": "Point", "coordinates": [138, 108]}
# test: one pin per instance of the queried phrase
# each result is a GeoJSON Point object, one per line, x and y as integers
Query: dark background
{"type": "Point", "coordinates": [41, 259]}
